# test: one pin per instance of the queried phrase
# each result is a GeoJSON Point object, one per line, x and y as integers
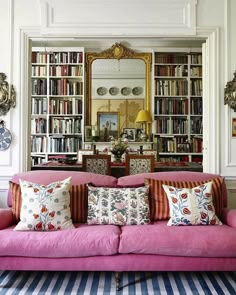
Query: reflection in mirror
{"type": "Point", "coordinates": [117, 82]}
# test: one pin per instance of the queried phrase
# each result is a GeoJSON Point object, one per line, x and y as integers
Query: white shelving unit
{"type": "Point", "coordinates": [57, 103]}
{"type": "Point", "coordinates": [177, 128]}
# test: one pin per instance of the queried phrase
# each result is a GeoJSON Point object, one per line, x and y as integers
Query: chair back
{"type": "Point", "coordinates": [136, 164]}
{"type": "Point", "coordinates": [100, 164]}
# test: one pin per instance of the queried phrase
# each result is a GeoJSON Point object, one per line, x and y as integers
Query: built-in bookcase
{"type": "Point", "coordinates": [57, 102]}
{"type": "Point", "coordinates": [177, 127]}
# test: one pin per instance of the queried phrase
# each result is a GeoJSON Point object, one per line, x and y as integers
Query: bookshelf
{"type": "Point", "coordinates": [57, 96]}
{"type": "Point", "coordinates": [177, 127]}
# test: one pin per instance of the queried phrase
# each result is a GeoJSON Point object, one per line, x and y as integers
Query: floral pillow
{"type": "Point", "coordinates": [120, 206]}
{"type": "Point", "coordinates": [191, 206]}
{"type": "Point", "coordinates": [45, 207]}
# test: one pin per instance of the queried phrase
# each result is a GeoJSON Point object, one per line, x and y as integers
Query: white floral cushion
{"type": "Point", "coordinates": [45, 207]}
{"type": "Point", "coordinates": [191, 206]}
{"type": "Point", "coordinates": [120, 206]}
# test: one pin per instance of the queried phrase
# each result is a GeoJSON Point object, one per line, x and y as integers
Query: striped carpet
{"type": "Point", "coordinates": [148, 283]}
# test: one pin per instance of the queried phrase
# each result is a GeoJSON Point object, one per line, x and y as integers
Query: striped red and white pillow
{"type": "Point", "coordinates": [159, 206]}
{"type": "Point", "coordinates": [78, 202]}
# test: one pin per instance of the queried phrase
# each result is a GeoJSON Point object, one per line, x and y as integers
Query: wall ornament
{"type": "Point", "coordinates": [5, 136]}
{"type": "Point", "coordinates": [7, 95]}
{"type": "Point", "coordinates": [230, 93]}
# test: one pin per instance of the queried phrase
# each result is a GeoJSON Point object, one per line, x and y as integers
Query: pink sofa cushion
{"type": "Point", "coordinates": [82, 241]}
{"type": "Point", "coordinates": [48, 176]}
{"type": "Point", "coordinates": [194, 241]}
{"type": "Point", "coordinates": [138, 180]}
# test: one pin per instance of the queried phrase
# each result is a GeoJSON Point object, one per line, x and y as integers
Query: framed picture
{"type": "Point", "coordinates": [234, 127]}
{"type": "Point", "coordinates": [108, 124]}
{"type": "Point", "coordinates": [129, 133]}
{"type": "Point", "coordinates": [80, 154]}
{"type": "Point", "coordinates": [88, 133]}
{"type": "Point", "coordinates": [138, 134]}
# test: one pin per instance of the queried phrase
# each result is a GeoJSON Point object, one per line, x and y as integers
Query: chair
{"type": "Point", "coordinates": [100, 164]}
{"type": "Point", "coordinates": [136, 164]}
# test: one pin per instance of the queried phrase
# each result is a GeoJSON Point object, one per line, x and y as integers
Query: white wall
{"type": "Point", "coordinates": [18, 18]}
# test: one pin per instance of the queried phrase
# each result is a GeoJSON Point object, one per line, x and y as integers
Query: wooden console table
{"type": "Point", "coordinates": [119, 170]}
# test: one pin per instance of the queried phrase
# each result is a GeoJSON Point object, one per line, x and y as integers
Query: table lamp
{"type": "Point", "coordinates": [144, 117]}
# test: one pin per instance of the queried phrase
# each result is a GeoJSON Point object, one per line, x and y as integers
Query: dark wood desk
{"type": "Point", "coordinates": [119, 170]}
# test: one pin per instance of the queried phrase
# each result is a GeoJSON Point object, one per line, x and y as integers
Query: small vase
{"type": "Point", "coordinates": [118, 159]}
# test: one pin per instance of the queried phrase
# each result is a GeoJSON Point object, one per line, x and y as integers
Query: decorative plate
{"type": "Point", "coordinates": [125, 90]}
{"type": "Point", "coordinates": [137, 90]}
{"type": "Point", "coordinates": [113, 91]}
{"type": "Point", "coordinates": [102, 91]}
{"type": "Point", "coordinates": [5, 138]}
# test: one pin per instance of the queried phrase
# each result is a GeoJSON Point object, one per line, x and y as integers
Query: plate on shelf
{"type": "Point", "coordinates": [102, 90]}
{"type": "Point", "coordinates": [137, 90]}
{"type": "Point", "coordinates": [114, 91]}
{"type": "Point", "coordinates": [125, 91]}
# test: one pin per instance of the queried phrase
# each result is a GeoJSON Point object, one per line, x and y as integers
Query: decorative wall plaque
{"type": "Point", "coordinates": [7, 95]}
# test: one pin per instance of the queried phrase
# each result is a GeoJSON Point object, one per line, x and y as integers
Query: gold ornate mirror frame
{"type": "Point", "coordinates": [117, 51]}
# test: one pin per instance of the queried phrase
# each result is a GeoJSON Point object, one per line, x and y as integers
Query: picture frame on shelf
{"type": "Point", "coordinates": [88, 133]}
{"type": "Point", "coordinates": [129, 133]}
{"type": "Point", "coordinates": [82, 152]}
{"type": "Point", "coordinates": [233, 127]}
{"type": "Point", "coordinates": [108, 125]}
{"type": "Point", "coordinates": [138, 134]}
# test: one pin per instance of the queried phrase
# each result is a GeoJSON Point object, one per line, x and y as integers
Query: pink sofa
{"type": "Point", "coordinates": [152, 247]}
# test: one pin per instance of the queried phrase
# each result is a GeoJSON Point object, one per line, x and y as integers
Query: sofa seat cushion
{"type": "Point", "coordinates": [84, 240]}
{"type": "Point", "coordinates": [194, 241]}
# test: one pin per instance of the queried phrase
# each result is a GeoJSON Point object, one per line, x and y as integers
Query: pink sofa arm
{"type": "Point", "coordinates": [229, 217]}
{"type": "Point", "coordinates": [6, 218]}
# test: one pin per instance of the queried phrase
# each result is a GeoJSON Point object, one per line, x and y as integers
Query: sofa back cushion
{"type": "Point", "coordinates": [78, 190]}
{"type": "Point", "coordinates": [180, 176]}
{"type": "Point", "coordinates": [78, 202]}
{"type": "Point", "coordinates": [159, 202]}
{"type": "Point", "coordinates": [49, 176]}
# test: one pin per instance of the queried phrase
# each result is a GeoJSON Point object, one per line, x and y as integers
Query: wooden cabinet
{"type": "Point", "coordinates": [57, 98]}
{"type": "Point", "coordinates": [177, 127]}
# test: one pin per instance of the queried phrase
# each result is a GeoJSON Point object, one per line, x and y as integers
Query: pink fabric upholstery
{"type": "Point", "coordinates": [78, 177]}
{"type": "Point", "coordinates": [82, 241]}
{"type": "Point", "coordinates": [124, 262]}
{"type": "Point", "coordinates": [6, 218]}
{"type": "Point", "coordinates": [229, 217]}
{"type": "Point", "coordinates": [137, 180]}
{"type": "Point", "coordinates": [194, 241]}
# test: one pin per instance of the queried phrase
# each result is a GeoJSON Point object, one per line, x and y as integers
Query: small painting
{"type": "Point", "coordinates": [129, 133]}
{"type": "Point", "coordinates": [108, 124]}
{"type": "Point", "coordinates": [88, 133]}
{"type": "Point", "coordinates": [234, 127]}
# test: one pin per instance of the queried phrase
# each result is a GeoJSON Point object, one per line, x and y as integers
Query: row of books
{"type": "Point", "coordinates": [39, 105]}
{"type": "Point", "coordinates": [171, 58]}
{"type": "Point", "coordinates": [196, 87]}
{"type": "Point", "coordinates": [172, 71]}
{"type": "Point", "coordinates": [196, 71]}
{"type": "Point", "coordinates": [66, 70]}
{"type": "Point", "coordinates": [39, 71]}
{"type": "Point", "coordinates": [38, 125]}
{"type": "Point", "coordinates": [170, 126]}
{"type": "Point", "coordinates": [65, 106]}
{"type": "Point", "coordinates": [39, 57]}
{"type": "Point", "coordinates": [39, 87]}
{"type": "Point", "coordinates": [196, 125]}
{"type": "Point", "coordinates": [196, 106]}
{"type": "Point", "coordinates": [65, 87]}
{"type": "Point", "coordinates": [65, 125]}
{"type": "Point", "coordinates": [171, 87]}
{"type": "Point", "coordinates": [38, 144]}
{"type": "Point", "coordinates": [66, 57]}
{"type": "Point", "coordinates": [196, 59]}
{"type": "Point", "coordinates": [165, 106]}
{"type": "Point", "coordinates": [64, 144]}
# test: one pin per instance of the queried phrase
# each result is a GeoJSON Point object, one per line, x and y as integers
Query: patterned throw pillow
{"type": "Point", "coordinates": [191, 206]}
{"type": "Point", "coordinates": [120, 206]}
{"type": "Point", "coordinates": [78, 202]}
{"type": "Point", "coordinates": [45, 207]}
{"type": "Point", "coordinates": [159, 207]}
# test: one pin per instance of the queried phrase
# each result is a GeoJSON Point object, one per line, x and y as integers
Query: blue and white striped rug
{"type": "Point", "coordinates": [92, 283]}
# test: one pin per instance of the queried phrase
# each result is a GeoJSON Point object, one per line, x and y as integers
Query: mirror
{"type": "Point", "coordinates": [118, 87]}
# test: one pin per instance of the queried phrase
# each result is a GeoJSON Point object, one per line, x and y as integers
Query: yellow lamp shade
{"type": "Point", "coordinates": [143, 116]}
